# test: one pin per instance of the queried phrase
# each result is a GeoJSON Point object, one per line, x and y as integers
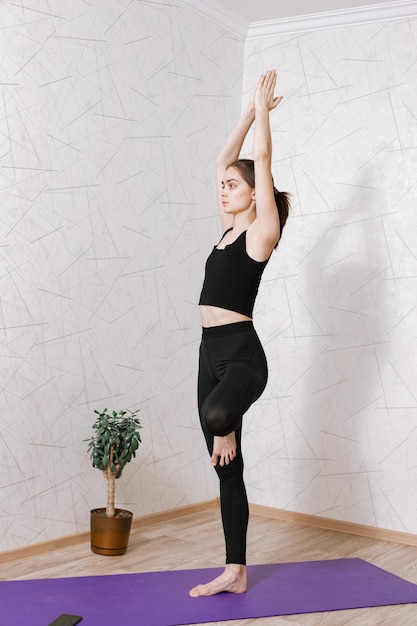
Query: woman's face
{"type": "Point", "coordinates": [236, 194]}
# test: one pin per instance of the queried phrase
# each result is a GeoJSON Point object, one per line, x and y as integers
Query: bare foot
{"type": "Point", "coordinates": [233, 580]}
{"type": "Point", "coordinates": [224, 450]}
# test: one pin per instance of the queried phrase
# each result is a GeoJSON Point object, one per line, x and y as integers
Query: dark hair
{"type": "Point", "coordinates": [246, 168]}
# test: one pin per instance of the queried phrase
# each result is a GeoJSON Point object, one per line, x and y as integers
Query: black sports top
{"type": "Point", "coordinates": [232, 277]}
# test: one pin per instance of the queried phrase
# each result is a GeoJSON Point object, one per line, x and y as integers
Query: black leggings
{"type": "Point", "coordinates": [232, 374]}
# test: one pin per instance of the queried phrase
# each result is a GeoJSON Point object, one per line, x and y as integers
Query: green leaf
{"type": "Point", "coordinates": [115, 434]}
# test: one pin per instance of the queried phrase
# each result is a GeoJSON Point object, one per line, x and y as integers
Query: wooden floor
{"type": "Point", "coordinates": [195, 541]}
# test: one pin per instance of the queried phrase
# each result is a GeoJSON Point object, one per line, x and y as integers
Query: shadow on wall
{"type": "Point", "coordinates": [343, 378]}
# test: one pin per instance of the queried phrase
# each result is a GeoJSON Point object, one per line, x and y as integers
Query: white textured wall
{"type": "Point", "coordinates": [336, 431]}
{"type": "Point", "coordinates": [111, 115]}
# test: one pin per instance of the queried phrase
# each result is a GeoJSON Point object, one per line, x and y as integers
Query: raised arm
{"type": "Point", "coordinates": [230, 152]}
{"type": "Point", "coordinates": [266, 227]}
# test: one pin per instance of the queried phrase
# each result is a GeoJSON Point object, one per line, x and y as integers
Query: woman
{"type": "Point", "coordinates": [232, 368]}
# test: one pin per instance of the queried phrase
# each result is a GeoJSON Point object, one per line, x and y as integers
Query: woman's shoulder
{"type": "Point", "coordinates": [258, 247]}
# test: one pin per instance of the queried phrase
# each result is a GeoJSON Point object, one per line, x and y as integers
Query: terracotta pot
{"type": "Point", "coordinates": [110, 535]}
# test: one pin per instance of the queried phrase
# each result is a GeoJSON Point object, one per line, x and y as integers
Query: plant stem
{"type": "Point", "coordinates": [110, 478]}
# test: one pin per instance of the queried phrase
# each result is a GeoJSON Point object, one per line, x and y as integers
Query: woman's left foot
{"type": "Point", "coordinates": [232, 580]}
{"type": "Point", "coordinates": [224, 450]}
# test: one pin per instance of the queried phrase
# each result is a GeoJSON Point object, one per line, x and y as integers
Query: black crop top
{"type": "Point", "coordinates": [232, 278]}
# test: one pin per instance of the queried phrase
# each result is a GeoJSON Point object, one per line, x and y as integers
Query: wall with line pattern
{"type": "Point", "coordinates": [337, 309]}
{"type": "Point", "coordinates": [111, 116]}
{"type": "Point", "coordinates": [112, 113]}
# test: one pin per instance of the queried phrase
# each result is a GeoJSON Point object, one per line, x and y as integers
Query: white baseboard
{"type": "Point", "coordinates": [361, 530]}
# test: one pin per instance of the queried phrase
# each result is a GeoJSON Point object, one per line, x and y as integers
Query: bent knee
{"type": "Point", "coordinates": [219, 422]}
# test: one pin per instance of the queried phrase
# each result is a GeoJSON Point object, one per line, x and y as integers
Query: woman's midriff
{"type": "Point", "coordinates": [215, 316]}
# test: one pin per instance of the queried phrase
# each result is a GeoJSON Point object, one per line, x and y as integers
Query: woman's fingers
{"type": "Point", "coordinates": [270, 79]}
{"type": "Point", "coordinates": [266, 87]}
{"type": "Point", "coordinates": [276, 102]}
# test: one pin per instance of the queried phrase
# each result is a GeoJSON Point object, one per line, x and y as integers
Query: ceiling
{"type": "Point", "coordinates": [267, 10]}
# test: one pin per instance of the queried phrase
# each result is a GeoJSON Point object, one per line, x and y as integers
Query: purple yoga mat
{"type": "Point", "coordinates": [161, 598]}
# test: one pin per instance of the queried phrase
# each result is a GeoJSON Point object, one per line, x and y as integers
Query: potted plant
{"type": "Point", "coordinates": [113, 445]}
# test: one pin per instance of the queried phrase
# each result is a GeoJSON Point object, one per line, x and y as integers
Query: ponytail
{"type": "Point", "coordinates": [282, 200]}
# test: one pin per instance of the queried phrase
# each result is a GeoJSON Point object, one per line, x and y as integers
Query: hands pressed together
{"type": "Point", "coordinates": [263, 95]}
